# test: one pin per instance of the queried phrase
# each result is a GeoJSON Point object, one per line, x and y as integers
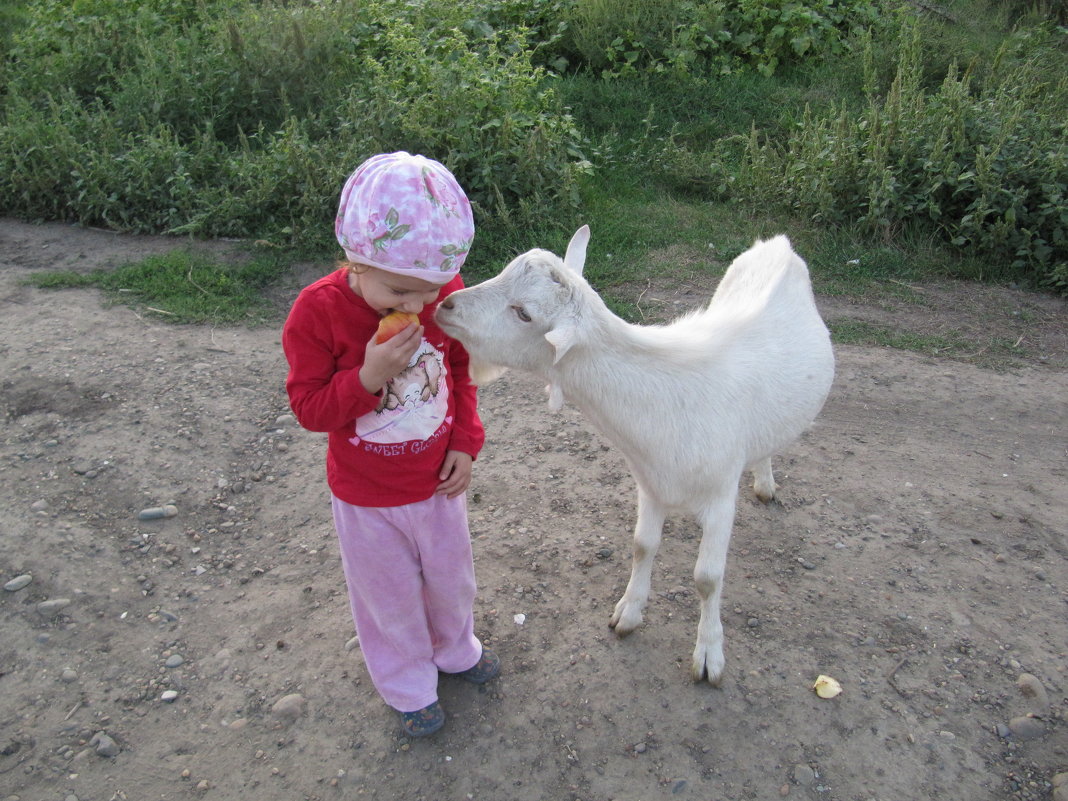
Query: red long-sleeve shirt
{"type": "Point", "coordinates": [384, 449]}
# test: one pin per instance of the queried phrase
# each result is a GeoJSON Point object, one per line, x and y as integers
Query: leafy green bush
{"type": "Point", "coordinates": [619, 37]}
{"type": "Point", "coordinates": [241, 119]}
{"type": "Point", "coordinates": [986, 168]}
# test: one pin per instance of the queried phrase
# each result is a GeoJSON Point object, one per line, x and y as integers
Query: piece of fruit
{"type": "Point", "coordinates": [393, 323]}
{"type": "Point", "coordinates": [826, 687]}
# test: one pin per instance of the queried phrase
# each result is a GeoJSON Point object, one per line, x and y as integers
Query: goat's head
{"type": "Point", "coordinates": [527, 317]}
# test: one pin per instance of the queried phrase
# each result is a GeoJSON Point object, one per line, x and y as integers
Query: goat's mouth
{"type": "Point", "coordinates": [445, 317]}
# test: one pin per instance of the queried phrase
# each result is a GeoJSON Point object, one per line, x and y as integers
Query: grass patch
{"type": "Point", "coordinates": [183, 287]}
{"type": "Point", "coordinates": [994, 353]}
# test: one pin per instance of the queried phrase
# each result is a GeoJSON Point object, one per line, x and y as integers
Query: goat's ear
{"type": "Point", "coordinates": [562, 337]}
{"type": "Point", "coordinates": [575, 257]}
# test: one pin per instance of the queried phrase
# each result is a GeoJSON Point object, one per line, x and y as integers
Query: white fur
{"type": "Point", "coordinates": [691, 404]}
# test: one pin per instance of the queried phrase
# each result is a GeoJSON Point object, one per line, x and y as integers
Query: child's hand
{"type": "Point", "coordinates": [455, 474]}
{"type": "Point", "coordinates": [381, 362]}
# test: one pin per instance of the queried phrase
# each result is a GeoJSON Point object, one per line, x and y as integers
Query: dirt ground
{"type": "Point", "coordinates": [918, 554]}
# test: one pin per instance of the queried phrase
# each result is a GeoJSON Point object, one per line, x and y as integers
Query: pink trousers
{"type": "Point", "coordinates": [411, 583]}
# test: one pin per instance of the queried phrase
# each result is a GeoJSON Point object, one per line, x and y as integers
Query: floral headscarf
{"type": "Point", "coordinates": [405, 214]}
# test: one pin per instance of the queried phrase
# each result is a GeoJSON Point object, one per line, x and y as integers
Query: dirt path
{"type": "Point", "coordinates": [919, 555]}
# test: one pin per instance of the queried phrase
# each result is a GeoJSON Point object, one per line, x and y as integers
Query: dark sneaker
{"type": "Point", "coordinates": [486, 668]}
{"type": "Point", "coordinates": [423, 721]}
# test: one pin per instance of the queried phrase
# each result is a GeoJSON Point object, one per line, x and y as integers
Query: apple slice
{"type": "Point", "coordinates": [393, 323]}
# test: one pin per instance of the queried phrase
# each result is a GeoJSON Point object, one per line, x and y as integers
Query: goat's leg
{"type": "Point", "coordinates": [763, 480]}
{"type": "Point", "coordinates": [716, 522]}
{"type": "Point", "coordinates": [647, 532]}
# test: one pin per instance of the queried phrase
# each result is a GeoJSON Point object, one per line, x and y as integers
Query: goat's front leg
{"type": "Point", "coordinates": [709, 572]}
{"type": "Point", "coordinates": [647, 532]}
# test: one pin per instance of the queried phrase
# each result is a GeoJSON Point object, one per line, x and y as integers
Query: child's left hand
{"type": "Point", "coordinates": [455, 474]}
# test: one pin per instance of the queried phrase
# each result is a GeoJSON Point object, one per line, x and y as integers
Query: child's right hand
{"type": "Point", "coordinates": [383, 361]}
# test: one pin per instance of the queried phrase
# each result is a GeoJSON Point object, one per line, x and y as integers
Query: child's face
{"type": "Point", "coordinates": [386, 292]}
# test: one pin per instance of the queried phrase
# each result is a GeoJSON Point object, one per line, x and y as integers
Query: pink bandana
{"type": "Point", "coordinates": [405, 214]}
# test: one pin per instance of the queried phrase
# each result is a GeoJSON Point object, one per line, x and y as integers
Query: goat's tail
{"type": "Point", "coordinates": [760, 272]}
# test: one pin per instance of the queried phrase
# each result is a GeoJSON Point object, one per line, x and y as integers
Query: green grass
{"type": "Point", "coordinates": [184, 287]}
{"type": "Point", "coordinates": [995, 352]}
{"type": "Point", "coordinates": [667, 198]}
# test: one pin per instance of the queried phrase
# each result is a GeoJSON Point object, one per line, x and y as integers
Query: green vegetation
{"type": "Point", "coordinates": [183, 286]}
{"type": "Point", "coordinates": [243, 119]}
{"type": "Point", "coordinates": [890, 140]}
{"type": "Point", "coordinates": [994, 352]}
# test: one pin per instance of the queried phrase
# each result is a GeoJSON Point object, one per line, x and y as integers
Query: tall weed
{"type": "Point", "coordinates": [238, 119]}
{"type": "Point", "coordinates": [987, 168]}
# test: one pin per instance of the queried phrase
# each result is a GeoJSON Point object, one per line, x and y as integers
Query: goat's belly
{"type": "Point", "coordinates": [686, 488]}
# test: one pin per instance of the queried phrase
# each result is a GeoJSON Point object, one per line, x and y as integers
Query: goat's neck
{"type": "Point", "coordinates": [612, 359]}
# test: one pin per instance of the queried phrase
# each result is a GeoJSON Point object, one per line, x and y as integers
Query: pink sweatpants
{"type": "Point", "coordinates": [411, 584]}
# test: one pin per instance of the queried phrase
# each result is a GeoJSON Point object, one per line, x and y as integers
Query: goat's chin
{"type": "Point", "coordinates": [482, 373]}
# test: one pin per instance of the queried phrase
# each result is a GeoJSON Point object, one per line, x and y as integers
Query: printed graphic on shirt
{"type": "Point", "coordinates": [413, 405]}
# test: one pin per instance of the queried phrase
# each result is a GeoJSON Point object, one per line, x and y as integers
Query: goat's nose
{"type": "Point", "coordinates": [447, 303]}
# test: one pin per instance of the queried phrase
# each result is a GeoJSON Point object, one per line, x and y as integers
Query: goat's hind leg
{"type": "Point", "coordinates": [709, 573]}
{"type": "Point", "coordinates": [763, 480]}
{"type": "Point", "coordinates": [647, 533]}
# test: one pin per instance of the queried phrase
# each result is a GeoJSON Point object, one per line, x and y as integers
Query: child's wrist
{"type": "Point", "coordinates": [369, 382]}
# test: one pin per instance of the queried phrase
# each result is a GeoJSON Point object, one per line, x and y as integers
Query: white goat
{"type": "Point", "coordinates": [691, 405]}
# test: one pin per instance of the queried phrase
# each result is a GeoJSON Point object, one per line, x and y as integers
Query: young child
{"type": "Point", "coordinates": [403, 428]}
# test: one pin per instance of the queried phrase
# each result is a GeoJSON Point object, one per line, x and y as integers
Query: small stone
{"type": "Point", "coordinates": [1026, 728]}
{"type": "Point", "coordinates": [237, 725]}
{"type": "Point", "coordinates": [105, 746]}
{"type": "Point", "coordinates": [18, 582]}
{"type": "Point", "coordinates": [174, 660]}
{"type": "Point", "coordinates": [39, 506]}
{"type": "Point", "coordinates": [1031, 688]}
{"type": "Point", "coordinates": [352, 644]}
{"type": "Point", "coordinates": [157, 512]}
{"type": "Point", "coordinates": [53, 606]}
{"type": "Point", "coordinates": [68, 675]}
{"type": "Point", "coordinates": [640, 748]}
{"type": "Point", "coordinates": [804, 775]}
{"type": "Point", "coordinates": [1060, 787]}
{"type": "Point", "coordinates": [288, 708]}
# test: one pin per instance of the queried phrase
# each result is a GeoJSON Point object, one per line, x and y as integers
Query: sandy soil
{"type": "Point", "coordinates": [918, 554]}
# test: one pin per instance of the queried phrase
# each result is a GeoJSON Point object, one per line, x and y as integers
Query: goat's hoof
{"type": "Point", "coordinates": [708, 667]}
{"type": "Point", "coordinates": [702, 674]}
{"type": "Point", "coordinates": [625, 619]}
{"type": "Point", "coordinates": [764, 495]}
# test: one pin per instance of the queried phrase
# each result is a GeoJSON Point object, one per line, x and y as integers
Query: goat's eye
{"type": "Point", "coordinates": [521, 313]}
